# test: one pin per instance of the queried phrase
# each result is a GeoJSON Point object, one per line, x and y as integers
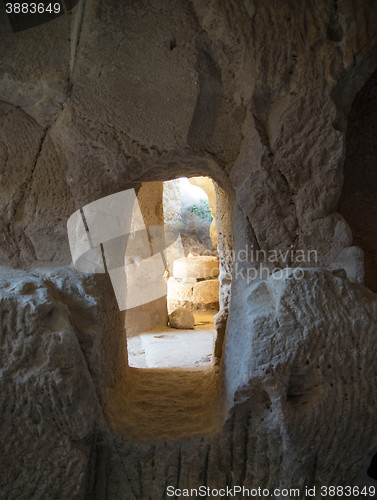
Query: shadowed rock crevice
{"type": "Point", "coordinates": [358, 203]}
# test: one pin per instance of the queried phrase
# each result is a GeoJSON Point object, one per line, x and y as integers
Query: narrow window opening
{"type": "Point", "coordinates": [178, 331]}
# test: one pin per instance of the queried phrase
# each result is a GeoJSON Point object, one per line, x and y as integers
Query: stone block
{"type": "Point", "coordinates": [206, 292]}
{"type": "Point", "coordinates": [199, 267]}
{"type": "Point", "coordinates": [180, 289]}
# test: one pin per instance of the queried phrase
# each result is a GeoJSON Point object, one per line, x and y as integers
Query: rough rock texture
{"type": "Point", "coordinates": [172, 204]}
{"type": "Point", "coordinates": [193, 295]}
{"type": "Point", "coordinates": [179, 293]}
{"type": "Point", "coordinates": [154, 313]}
{"type": "Point", "coordinates": [206, 292]}
{"type": "Point", "coordinates": [205, 93]}
{"type": "Point", "coordinates": [181, 318]}
{"type": "Point", "coordinates": [56, 336]}
{"type": "Point", "coordinates": [254, 95]}
{"type": "Point", "coordinates": [296, 361]}
{"type": "Point", "coordinates": [358, 203]}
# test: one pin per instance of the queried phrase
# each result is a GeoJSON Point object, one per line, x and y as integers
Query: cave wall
{"type": "Point", "coordinates": [358, 203]}
{"type": "Point", "coordinates": [59, 356]}
{"type": "Point", "coordinates": [119, 107]}
{"type": "Point", "coordinates": [304, 416]}
{"type": "Point", "coordinates": [256, 96]}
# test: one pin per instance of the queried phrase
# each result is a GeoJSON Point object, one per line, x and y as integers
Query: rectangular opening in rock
{"type": "Point", "coordinates": [178, 331]}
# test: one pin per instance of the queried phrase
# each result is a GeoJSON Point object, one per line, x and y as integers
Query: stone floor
{"type": "Point", "coordinates": [173, 348]}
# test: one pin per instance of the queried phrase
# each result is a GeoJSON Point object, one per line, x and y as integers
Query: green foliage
{"type": "Point", "coordinates": [202, 210]}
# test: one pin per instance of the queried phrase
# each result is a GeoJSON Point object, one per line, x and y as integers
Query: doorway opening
{"type": "Point", "coordinates": [170, 385]}
{"type": "Point", "coordinates": [178, 331]}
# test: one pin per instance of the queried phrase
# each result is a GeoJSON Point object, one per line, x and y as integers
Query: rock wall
{"type": "Point", "coordinates": [60, 352]}
{"type": "Point", "coordinates": [276, 148]}
{"type": "Point", "coordinates": [358, 203]}
{"type": "Point", "coordinates": [300, 393]}
{"type": "Point", "coordinates": [254, 95]}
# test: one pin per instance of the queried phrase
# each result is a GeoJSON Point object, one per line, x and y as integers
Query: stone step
{"type": "Point", "coordinates": [199, 267]}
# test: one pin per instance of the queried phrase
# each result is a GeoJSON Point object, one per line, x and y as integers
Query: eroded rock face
{"type": "Point", "coordinates": [222, 102]}
{"type": "Point", "coordinates": [299, 381]}
{"type": "Point", "coordinates": [206, 292]}
{"type": "Point", "coordinates": [53, 382]}
{"type": "Point", "coordinates": [254, 95]}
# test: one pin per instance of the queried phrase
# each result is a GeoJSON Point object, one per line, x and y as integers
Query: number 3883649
{"type": "Point", "coordinates": [32, 8]}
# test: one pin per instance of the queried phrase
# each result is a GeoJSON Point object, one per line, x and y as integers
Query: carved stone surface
{"type": "Point", "coordinates": [206, 292]}
{"type": "Point", "coordinates": [298, 374]}
{"type": "Point", "coordinates": [254, 95]}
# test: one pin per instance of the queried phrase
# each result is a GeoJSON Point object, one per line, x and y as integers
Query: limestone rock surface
{"type": "Point", "coordinates": [182, 319]}
{"type": "Point", "coordinates": [298, 366]}
{"type": "Point", "coordinates": [223, 102]}
{"type": "Point", "coordinates": [52, 382]}
{"type": "Point", "coordinates": [256, 96]}
{"type": "Point", "coordinates": [197, 266]}
{"type": "Point", "coordinates": [206, 292]}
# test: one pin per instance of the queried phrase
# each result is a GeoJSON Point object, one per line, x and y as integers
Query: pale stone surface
{"type": "Point", "coordinates": [56, 336]}
{"type": "Point", "coordinates": [179, 293]}
{"type": "Point", "coordinates": [251, 124]}
{"type": "Point", "coordinates": [146, 316]}
{"type": "Point", "coordinates": [197, 266]}
{"type": "Point", "coordinates": [172, 203]}
{"type": "Point", "coordinates": [192, 295]}
{"type": "Point", "coordinates": [213, 233]}
{"type": "Point", "coordinates": [181, 289]}
{"type": "Point", "coordinates": [256, 96]}
{"type": "Point", "coordinates": [173, 348]}
{"type": "Point", "coordinates": [206, 292]}
{"type": "Point", "coordinates": [280, 368]}
{"type": "Point", "coordinates": [153, 313]}
{"type": "Point", "coordinates": [182, 319]}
